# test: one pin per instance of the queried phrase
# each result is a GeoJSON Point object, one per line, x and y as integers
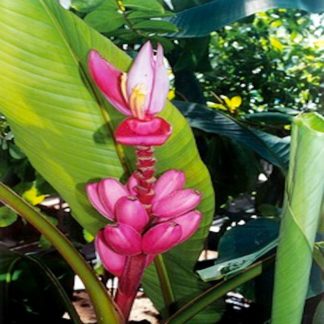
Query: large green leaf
{"type": "Point", "coordinates": [64, 126]}
{"type": "Point", "coordinates": [302, 211]}
{"type": "Point", "coordinates": [203, 19]}
{"type": "Point", "coordinates": [270, 147]}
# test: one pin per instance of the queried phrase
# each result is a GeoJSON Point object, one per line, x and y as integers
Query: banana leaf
{"type": "Point", "coordinates": [270, 147]}
{"type": "Point", "coordinates": [241, 246]}
{"type": "Point", "coordinates": [302, 210]}
{"type": "Point", "coordinates": [201, 20]}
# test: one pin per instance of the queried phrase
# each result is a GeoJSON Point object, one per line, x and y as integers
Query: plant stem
{"type": "Point", "coordinates": [189, 310]}
{"type": "Point", "coordinates": [129, 283]}
{"type": "Point", "coordinates": [103, 305]}
{"type": "Point", "coordinates": [165, 283]}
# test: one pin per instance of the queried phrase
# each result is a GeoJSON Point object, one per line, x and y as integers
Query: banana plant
{"type": "Point", "coordinates": [64, 126]}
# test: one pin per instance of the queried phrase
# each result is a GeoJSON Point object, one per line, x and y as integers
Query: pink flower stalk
{"type": "Point", "coordinates": [136, 236]}
{"type": "Point", "coordinates": [139, 94]}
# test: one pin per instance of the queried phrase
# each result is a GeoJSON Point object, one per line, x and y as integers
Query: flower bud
{"type": "Point", "coordinates": [131, 212]}
{"type": "Point", "coordinates": [123, 239]}
{"type": "Point", "coordinates": [161, 238]}
{"type": "Point", "coordinates": [189, 224]}
{"type": "Point", "coordinates": [112, 261]}
{"type": "Point", "coordinates": [177, 203]}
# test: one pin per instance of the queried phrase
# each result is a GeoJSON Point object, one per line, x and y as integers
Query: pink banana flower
{"type": "Point", "coordinates": [148, 216]}
{"type": "Point", "coordinates": [139, 233]}
{"type": "Point", "coordinates": [134, 231]}
{"type": "Point", "coordinates": [139, 94]}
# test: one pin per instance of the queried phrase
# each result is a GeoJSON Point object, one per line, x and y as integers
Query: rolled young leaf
{"type": "Point", "coordinates": [301, 215]}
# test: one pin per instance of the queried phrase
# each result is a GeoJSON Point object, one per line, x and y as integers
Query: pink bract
{"type": "Point", "coordinates": [141, 92]}
{"type": "Point", "coordinates": [153, 132]}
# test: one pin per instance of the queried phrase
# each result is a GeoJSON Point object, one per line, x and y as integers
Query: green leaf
{"type": "Point", "coordinates": [241, 246]}
{"type": "Point", "coordinates": [180, 5]}
{"type": "Point", "coordinates": [319, 313]}
{"type": "Point", "coordinates": [137, 15]}
{"type": "Point", "coordinates": [7, 216]}
{"type": "Point", "coordinates": [44, 243]}
{"type": "Point", "coordinates": [30, 292]}
{"type": "Point", "coordinates": [64, 126]}
{"type": "Point", "coordinates": [156, 25]}
{"type": "Point", "coordinates": [87, 236]}
{"type": "Point", "coordinates": [15, 152]}
{"type": "Point", "coordinates": [86, 5]}
{"type": "Point", "coordinates": [319, 254]}
{"type": "Point", "coordinates": [105, 21]}
{"type": "Point", "coordinates": [185, 287]}
{"type": "Point", "coordinates": [203, 19]}
{"type": "Point", "coordinates": [270, 147]}
{"type": "Point", "coordinates": [143, 5]}
{"type": "Point", "coordinates": [271, 118]}
{"type": "Point", "coordinates": [316, 281]}
{"type": "Point", "coordinates": [301, 215]}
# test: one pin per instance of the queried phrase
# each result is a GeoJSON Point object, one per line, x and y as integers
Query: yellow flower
{"type": "Point", "coordinates": [32, 196]}
{"type": "Point", "coordinates": [232, 103]}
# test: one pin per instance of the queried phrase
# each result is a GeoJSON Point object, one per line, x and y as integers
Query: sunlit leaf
{"type": "Point", "coordinates": [86, 5]}
{"type": "Point", "coordinates": [275, 42]}
{"type": "Point", "coordinates": [152, 6]}
{"type": "Point", "coordinates": [216, 105]}
{"type": "Point", "coordinates": [88, 236]}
